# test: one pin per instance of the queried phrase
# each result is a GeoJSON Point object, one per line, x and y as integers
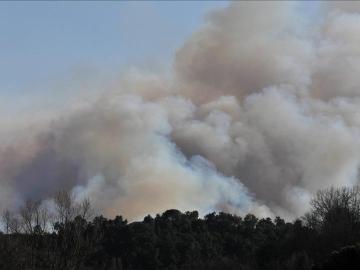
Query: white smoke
{"type": "Point", "coordinates": [261, 112]}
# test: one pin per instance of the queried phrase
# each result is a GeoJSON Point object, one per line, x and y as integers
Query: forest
{"type": "Point", "coordinates": [325, 238]}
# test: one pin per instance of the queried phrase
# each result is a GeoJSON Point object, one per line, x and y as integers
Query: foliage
{"type": "Point", "coordinates": [176, 240]}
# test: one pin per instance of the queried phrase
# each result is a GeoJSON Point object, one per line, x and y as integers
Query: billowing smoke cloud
{"type": "Point", "coordinates": [262, 110]}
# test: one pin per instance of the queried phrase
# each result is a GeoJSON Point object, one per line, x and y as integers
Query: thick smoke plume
{"type": "Point", "coordinates": [262, 110]}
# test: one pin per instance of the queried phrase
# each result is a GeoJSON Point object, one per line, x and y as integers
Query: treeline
{"type": "Point", "coordinates": [69, 238]}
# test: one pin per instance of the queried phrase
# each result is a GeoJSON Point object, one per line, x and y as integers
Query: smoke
{"type": "Point", "coordinates": [261, 111]}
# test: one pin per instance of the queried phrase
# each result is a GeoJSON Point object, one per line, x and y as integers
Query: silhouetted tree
{"type": "Point", "coordinates": [335, 214]}
{"type": "Point", "coordinates": [175, 240]}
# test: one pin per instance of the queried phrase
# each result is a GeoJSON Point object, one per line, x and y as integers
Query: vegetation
{"type": "Point", "coordinates": [326, 238]}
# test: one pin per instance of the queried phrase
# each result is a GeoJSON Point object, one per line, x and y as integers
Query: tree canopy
{"type": "Point", "coordinates": [325, 238]}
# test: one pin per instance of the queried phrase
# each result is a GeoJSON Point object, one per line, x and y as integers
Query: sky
{"type": "Point", "coordinates": [45, 43]}
{"type": "Point", "coordinates": [49, 48]}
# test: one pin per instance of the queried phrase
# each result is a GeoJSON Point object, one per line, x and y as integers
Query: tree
{"type": "Point", "coordinates": [346, 258]}
{"type": "Point", "coordinates": [333, 204]}
{"type": "Point", "coordinates": [64, 202]}
{"type": "Point", "coordinates": [84, 209]}
{"type": "Point", "coordinates": [6, 219]}
{"type": "Point", "coordinates": [33, 216]}
{"type": "Point", "coordinates": [335, 214]}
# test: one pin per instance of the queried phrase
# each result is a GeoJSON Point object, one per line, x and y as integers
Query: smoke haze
{"type": "Point", "coordinates": [261, 111]}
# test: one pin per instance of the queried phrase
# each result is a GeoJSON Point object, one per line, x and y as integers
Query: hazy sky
{"type": "Point", "coordinates": [47, 48]}
{"type": "Point", "coordinates": [43, 43]}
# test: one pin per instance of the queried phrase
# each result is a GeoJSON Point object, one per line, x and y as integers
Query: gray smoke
{"type": "Point", "coordinates": [262, 110]}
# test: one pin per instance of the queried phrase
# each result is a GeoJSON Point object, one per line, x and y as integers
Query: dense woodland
{"type": "Point", "coordinates": [325, 238]}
